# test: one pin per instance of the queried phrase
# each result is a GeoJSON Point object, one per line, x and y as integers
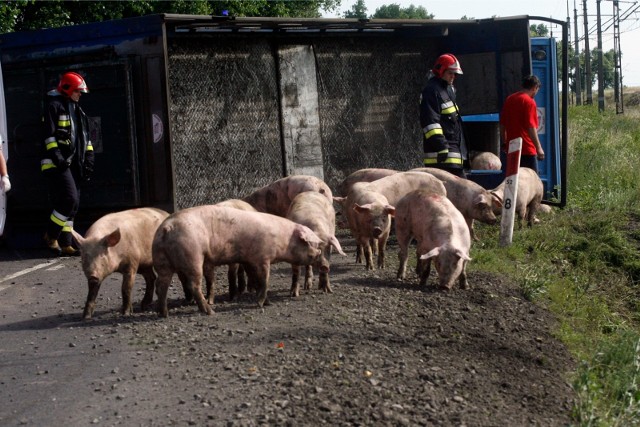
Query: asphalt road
{"type": "Point", "coordinates": [52, 364]}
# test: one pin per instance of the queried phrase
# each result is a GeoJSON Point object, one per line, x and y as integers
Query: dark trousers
{"type": "Point", "coordinates": [64, 190]}
{"type": "Point", "coordinates": [530, 162]}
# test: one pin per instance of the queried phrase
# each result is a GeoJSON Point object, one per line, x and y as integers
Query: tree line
{"type": "Point", "coordinates": [21, 15]}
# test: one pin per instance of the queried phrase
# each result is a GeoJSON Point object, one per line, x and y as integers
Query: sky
{"type": "Point", "coordinates": [629, 12]}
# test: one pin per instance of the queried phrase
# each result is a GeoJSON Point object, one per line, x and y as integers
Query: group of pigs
{"type": "Point", "coordinates": [293, 220]}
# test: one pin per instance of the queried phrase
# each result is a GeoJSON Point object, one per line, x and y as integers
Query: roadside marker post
{"type": "Point", "coordinates": [510, 192]}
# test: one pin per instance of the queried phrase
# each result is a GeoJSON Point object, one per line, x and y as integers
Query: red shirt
{"type": "Point", "coordinates": [519, 113]}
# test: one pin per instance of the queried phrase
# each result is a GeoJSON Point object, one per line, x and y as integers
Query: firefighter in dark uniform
{"type": "Point", "coordinates": [443, 139]}
{"type": "Point", "coordinates": [68, 159]}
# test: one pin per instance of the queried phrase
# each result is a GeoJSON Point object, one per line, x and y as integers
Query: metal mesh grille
{"type": "Point", "coordinates": [369, 104]}
{"type": "Point", "coordinates": [225, 122]}
{"type": "Point", "coordinates": [226, 126]}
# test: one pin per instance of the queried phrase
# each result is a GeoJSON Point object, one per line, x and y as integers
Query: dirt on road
{"type": "Point", "coordinates": [374, 352]}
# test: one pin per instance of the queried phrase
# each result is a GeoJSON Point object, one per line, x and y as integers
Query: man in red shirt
{"type": "Point", "coordinates": [519, 118]}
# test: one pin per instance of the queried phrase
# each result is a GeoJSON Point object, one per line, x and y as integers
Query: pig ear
{"type": "Point", "coordinates": [361, 209]}
{"type": "Point", "coordinates": [431, 254]}
{"type": "Point", "coordinates": [461, 254]}
{"type": "Point", "coordinates": [390, 210]}
{"type": "Point", "coordinates": [497, 200]}
{"type": "Point", "coordinates": [113, 238]}
{"type": "Point", "coordinates": [336, 244]}
{"type": "Point", "coordinates": [77, 237]}
{"type": "Point", "coordinates": [339, 200]}
{"type": "Point", "coordinates": [309, 236]}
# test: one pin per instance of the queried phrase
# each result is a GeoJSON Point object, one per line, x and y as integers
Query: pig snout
{"type": "Point", "coordinates": [376, 232]}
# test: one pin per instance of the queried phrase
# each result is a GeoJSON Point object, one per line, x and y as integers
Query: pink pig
{"type": "Point", "coordinates": [528, 197]}
{"type": "Point", "coordinates": [363, 175]}
{"type": "Point", "coordinates": [442, 235]}
{"type": "Point", "coordinates": [235, 274]}
{"type": "Point", "coordinates": [120, 242]}
{"type": "Point", "coordinates": [471, 199]}
{"type": "Point", "coordinates": [486, 160]}
{"type": "Point", "coordinates": [216, 235]}
{"type": "Point", "coordinates": [276, 197]}
{"type": "Point", "coordinates": [316, 212]}
{"type": "Point", "coordinates": [369, 207]}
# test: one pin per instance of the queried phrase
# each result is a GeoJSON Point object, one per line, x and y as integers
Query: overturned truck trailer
{"type": "Point", "coordinates": [190, 110]}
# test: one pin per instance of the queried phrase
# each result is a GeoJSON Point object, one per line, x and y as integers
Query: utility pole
{"type": "Point", "coordinates": [577, 75]}
{"type": "Point", "coordinates": [600, 64]}
{"type": "Point", "coordinates": [617, 84]}
{"type": "Point", "coordinates": [587, 56]}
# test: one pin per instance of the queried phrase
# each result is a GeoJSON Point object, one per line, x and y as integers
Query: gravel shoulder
{"type": "Point", "coordinates": [374, 352]}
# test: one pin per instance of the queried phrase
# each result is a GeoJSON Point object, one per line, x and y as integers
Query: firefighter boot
{"type": "Point", "coordinates": [52, 244]}
{"type": "Point", "coordinates": [69, 251]}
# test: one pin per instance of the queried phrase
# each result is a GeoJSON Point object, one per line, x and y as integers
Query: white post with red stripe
{"type": "Point", "coordinates": [510, 192]}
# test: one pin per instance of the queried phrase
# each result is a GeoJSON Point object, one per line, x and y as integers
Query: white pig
{"type": "Point", "coordinates": [363, 175]}
{"type": "Point", "coordinates": [217, 235]}
{"type": "Point", "coordinates": [120, 242]}
{"type": "Point", "coordinates": [471, 199]}
{"type": "Point", "coordinates": [316, 212]}
{"type": "Point", "coordinates": [276, 197]}
{"type": "Point", "coordinates": [528, 197]}
{"type": "Point", "coordinates": [486, 160]}
{"type": "Point", "coordinates": [441, 234]}
{"type": "Point", "coordinates": [235, 274]}
{"type": "Point", "coordinates": [367, 214]}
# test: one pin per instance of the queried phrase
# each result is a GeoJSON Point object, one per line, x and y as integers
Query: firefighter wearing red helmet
{"type": "Point", "coordinates": [443, 139]}
{"type": "Point", "coordinates": [68, 159]}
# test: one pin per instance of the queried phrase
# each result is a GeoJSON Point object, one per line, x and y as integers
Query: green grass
{"type": "Point", "coordinates": [583, 263]}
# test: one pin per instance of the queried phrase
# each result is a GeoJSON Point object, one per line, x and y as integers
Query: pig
{"type": "Point", "coordinates": [486, 160]}
{"type": "Point", "coordinates": [370, 221]}
{"type": "Point", "coordinates": [217, 235]}
{"type": "Point", "coordinates": [235, 274]}
{"type": "Point", "coordinates": [120, 242]}
{"type": "Point", "coordinates": [471, 199]}
{"type": "Point", "coordinates": [441, 233]}
{"type": "Point", "coordinates": [369, 215]}
{"type": "Point", "coordinates": [276, 197]}
{"type": "Point", "coordinates": [313, 210]}
{"type": "Point", "coordinates": [363, 175]}
{"type": "Point", "coordinates": [528, 197]}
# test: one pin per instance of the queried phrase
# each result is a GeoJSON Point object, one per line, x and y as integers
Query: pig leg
{"type": "Point", "coordinates": [242, 279]}
{"type": "Point", "coordinates": [149, 280]}
{"type": "Point", "coordinates": [463, 277]}
{"type": "Point", "coordinates": [323, 282]}
{"type": "Point", "coordinates": [162, 287]}
{"type": "Point", "coordinates": [90, 305]}
{"type": "Point", "coordinates": [382, 243]}
{"type": "Point", "coordinates": [262, 281]}
{"type": "Point", "coordinates": [471, 230]}
{"type": "Point", "coordinates": [359, 253]}
{"type": "Point", "coordinates": [403, 244]}
{"type": "Point", "coordinates": [366, 248]}
{"type": "Point", "coordinates": [128, 278]}
{"type": "Point", "coordinates": [188, 295]}
{"type": "Point", "coordinates": [232, 279]}
{"type": "Point", "coordinates": [295, 276]}
{"type": "Point", "coordinates": [426, 270]}
{"type": "Point", "coordinates": [194, 282]}
{"type": "Point", "coordinates": [308, 277]}
{"type": "Point", "coordinates": [210, 281]}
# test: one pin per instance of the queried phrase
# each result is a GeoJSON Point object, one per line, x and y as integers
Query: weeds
{"type": "Point", "coordinates": [583, 263]}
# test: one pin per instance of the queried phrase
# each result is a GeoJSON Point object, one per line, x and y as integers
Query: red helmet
{"type": "Point", "coordinates": [70, 82]}
{"type": "Point", "coordinates": [446, 62]}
